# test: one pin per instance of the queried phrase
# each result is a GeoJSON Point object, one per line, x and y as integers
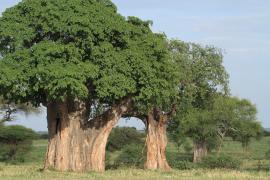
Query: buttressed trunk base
{"type": "Point", "coordinates": [75, 143]}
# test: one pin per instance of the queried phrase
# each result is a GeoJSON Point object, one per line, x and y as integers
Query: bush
{"type": "Point", "coordinates": [183, 165]}
{"type": "Point", "coordinates": [180, 161]}
{"type": "Point", "coordinates": [267, 154]}
{"type": "Point", "coordinates": [221, 161]}
{"type": "Point", "coordinates": [132, 155]}
{"type": "Point", "coordinates": [266, 132]}
{"type": "Point", "coordinates": [15, 143]}
{"type": "Point", "coordinates": [121, 137]}
{"type": "Point", "coordinates": [44, 136]}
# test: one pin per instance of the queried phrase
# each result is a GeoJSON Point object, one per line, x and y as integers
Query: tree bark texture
{"type": "Point", "coordinates": [156, 141]}
{"type": "Point", "coordinates": [75, 143]}
{"type": "Point", "coordinates": [200, 151]}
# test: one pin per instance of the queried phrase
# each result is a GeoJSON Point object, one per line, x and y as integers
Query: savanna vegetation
{"type": "Point", "coordinates": [253, 164]}
{"type": "Point", "coordinates": [90, 66]}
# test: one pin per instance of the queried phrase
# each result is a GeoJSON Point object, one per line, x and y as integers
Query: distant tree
{"type": "Point", "coordinates": [236, 118]}
{"type": "Point", "coordinates": [246, 125]}
{"type": "Point", "coordinates": [15, 143]}
{"type": "Point", "coordinates": [266, 132]}
{"type": "Point", "coordinates": [203, 76]}
{"type": "Point", "coordinates": [224, 114]}
{"type": "Point", "coordinates": [199, 125]}
{"type": "Point", "coordinates": [228, 116]}
{"type": "Point", "coordinates": [246, 131]}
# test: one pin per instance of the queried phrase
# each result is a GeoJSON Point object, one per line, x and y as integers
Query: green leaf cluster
{"type": "Point", "coordinates": [202, 77]}
{"type": "Point", "coordinates": [82, 49]}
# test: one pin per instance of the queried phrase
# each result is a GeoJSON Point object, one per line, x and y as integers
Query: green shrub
{"type": "Point", "coordinates": [182, 165]}
{"type": "Point", "coordinates": [132, 155]}
{"type": "Point", "coordinates": [267, 154]}
{"type": "Point", "coordinates": [176, 156]}
{"type": "Point", "coordinates": [221, 161]}
{"type": "Point", "coordinates": [180, 160]}
{"type": "Point", "coordinates": [15, 143]}
{"type": "Point", "coordinates": [266, 132]}
{"type": "Point", "coordinates": [121, 137]}
{"type": "Point", "coordinates": [44, 136]}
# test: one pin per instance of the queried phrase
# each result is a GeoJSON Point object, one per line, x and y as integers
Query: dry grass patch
{"type": "Point", "coordinates": [29, 172]}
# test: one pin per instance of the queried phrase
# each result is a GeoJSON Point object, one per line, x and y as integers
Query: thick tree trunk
{"type": "Point", "coordinates": [75, 143]}
{"type": "Point", "coordinates": [200, 151]}
{"type": "Point", "coordinates": [156, 142]}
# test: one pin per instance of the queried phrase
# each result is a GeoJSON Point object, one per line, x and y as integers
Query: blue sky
{"type": "Point", "coordinates": [240, 27]}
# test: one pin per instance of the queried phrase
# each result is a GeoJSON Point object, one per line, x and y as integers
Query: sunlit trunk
{"type": "Point", "coordinates": [76, 144]}
{"type": "Point", "coordinates": [156, 142]}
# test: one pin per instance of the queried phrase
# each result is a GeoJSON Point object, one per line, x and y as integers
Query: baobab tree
{"type": "Point", "coordinates": [202, 77]}
{"type": "Point", "coordinates": [88, 65]}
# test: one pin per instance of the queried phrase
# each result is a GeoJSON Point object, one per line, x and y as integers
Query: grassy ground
{"type": "Point", "coordinates": [253, 161]}
{"type": "Point", "coordinates": [29, 172]}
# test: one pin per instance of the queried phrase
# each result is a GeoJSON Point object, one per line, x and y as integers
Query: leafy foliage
{"type": "Point", "coordinates": [222, 161]}
{"type": "Point", "coordinates": [206, 113]}
{"type": "Point", "coordinates": [130, 144]}
{"type": "Point", "coordinates": [81, 49]}
{"type": "Point", "coordinates": [202, 77]}
{"type": "Point", "coordinates": [183, 165]}
{"type": "Point", "coordinates": [187, 145]}
{"type": "Point", "coordinates": [247, 130]}
{"type": "Point", "coordinates": [246, 124]}
{"type": "Point", "coordinates": [131, 156]}
{"type": "Point", "coordinates": [180, 161]}
{"type": "Point", "coordinates": [121, 137]}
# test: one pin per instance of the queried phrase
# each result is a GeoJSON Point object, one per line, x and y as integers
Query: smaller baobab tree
{"type": "Point", "coordinates": [157, 116]}
{"type": "Point", "coordinates": [203, 76]}
{"type": "Point", "coordinates": [157, 110]}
